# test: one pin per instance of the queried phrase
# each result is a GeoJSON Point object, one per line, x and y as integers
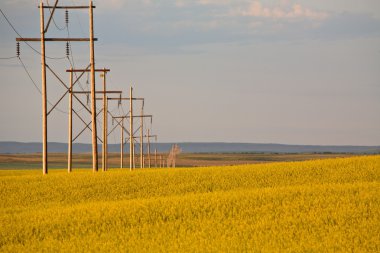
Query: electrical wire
{"type": "Point", "coordinates": [36, 86]}
{"type": "Point", "coordinates": [8, 58]}
{"type": "Point", "coordinates": [55, 24]}
{"type": "Point", "coordinates": [114, 109]}
{"type": "Point", "coordinates": [35, 50]}
{"type": "Point", "coordinates": [114, 138]}
{"type": "Point", "coordinates": [122, 109]}
{"type": "Point", "coordinates": [30, 77]}
{"type": "Point", "coordinates": [113, 133]}
{"type": "Point", "coordinates": [72, 62]}
{"type": "Point", "coordinates": [77, 16]}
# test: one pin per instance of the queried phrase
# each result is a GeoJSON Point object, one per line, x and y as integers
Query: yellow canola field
{"type": "Point", "coordinates": [316, 206]}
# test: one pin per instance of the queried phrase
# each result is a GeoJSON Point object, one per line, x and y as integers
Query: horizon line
{"type": "Point", "coordinates": [209, 142]}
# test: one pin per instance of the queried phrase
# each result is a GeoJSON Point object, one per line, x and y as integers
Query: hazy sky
{"type": "Point", "coordinates": [279, 71]}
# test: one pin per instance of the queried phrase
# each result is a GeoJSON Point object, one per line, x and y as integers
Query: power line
{"type": "Point", "coordinates": [55, 24]}
{"type": "Point", "coordinates": [30, 77]}
{"type": "Point", "coordinates": [35, 50]}
{"type": "Point", "coordinates": [36, 86]}
{"type": "Point", "coordinates": [114, 109]}
{"type": "Point", "coordinates": [14, 29]}
{"type": "Point", "coordinates": [8, 58]}
{"type": "Point", "coordinates": [80, 23]}
{"type": "Point", "coordinates": [72, 62]}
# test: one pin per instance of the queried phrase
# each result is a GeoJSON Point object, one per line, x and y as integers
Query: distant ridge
{"type": "Point", "coordinates": [197, 147]}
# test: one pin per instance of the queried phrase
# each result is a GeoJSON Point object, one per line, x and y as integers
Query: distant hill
{"type": "Point", "coordinates": [20, 147]}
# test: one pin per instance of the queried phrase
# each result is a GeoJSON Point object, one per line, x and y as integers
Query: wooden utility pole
{"type": "Point", "coordinates": [122, 144]}
{"type": "Point", "coordinates": [155, 158]}
{"type": "Point", "coordinates": [131, 142]}
{"type": "Point", "coordinates": [149, 157]}
{"type": "Point", "coordinates": [149, 162]}
{"type": "Point", "coordinates": [70, 142]}
{"type": "Point", "coordinates": [142, 137]}
{"type": "Point", "coordinates": [93, 100]}
{"type": "Point", "coordinates": [105, 123]}
{"type": "Point", "coordinates": [43, 91]}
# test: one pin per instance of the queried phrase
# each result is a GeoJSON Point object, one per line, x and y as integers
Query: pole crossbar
{"type": "Point", "coordinates": [138, 137]}
{"type": "Point", "coordinates": [66, 7]}
{"type": "Point", "coordinates": [98, 92]}
{"type": "Point", "coordinates": [134, 116]}
{"type": "Point", "coordinates": [56, 39]}
{"type": "Point", "coordinates": [87, 70]}
{"type": "Point", "coordinates": [141, 99]}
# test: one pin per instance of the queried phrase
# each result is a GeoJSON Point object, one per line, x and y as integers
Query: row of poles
{"type": "Point", "coordinates": [74, 95]}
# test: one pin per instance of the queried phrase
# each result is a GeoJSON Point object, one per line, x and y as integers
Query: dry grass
{"type": "Point", "coordinates": [59, 160]}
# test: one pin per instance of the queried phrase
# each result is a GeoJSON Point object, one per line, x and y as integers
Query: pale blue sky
{"type": "Point", "coordinates": [279, 71]}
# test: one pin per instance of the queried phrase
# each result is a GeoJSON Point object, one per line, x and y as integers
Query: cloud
{"type": "Point", "coordinates": [184, 3]}
{"type": "Point", "coordinates": [213, 2]}
{"type": "Point", "coordinates": [173, 24]}
{"type": "Point", "coordinates": [283, 11]}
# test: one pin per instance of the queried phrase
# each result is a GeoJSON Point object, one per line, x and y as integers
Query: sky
{"type": "Point", "coordinates": [276, 71]}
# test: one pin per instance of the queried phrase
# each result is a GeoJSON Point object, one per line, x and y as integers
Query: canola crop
{"type": "Point", "coordinates": [315, 206]}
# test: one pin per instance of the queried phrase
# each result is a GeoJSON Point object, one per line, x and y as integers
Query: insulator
{"type": "Point", "coordinates": [67, 49]}
{"type": "Point", "coordinates": [18, 49]}
{"type": "Point", "coordinates": [67, 17]}
{"type": "Point", "coordinates": [88, 99]}
{"type": "Point", "coordinates": [88, 74]}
